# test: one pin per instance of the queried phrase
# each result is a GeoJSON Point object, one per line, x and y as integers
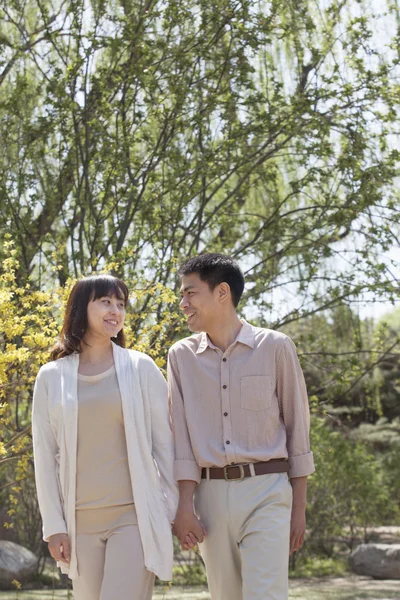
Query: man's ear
{"type": "Point", "coordinates": [224, 292]}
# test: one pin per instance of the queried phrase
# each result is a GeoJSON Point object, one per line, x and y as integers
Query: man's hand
{"type": "Point", "coordinates": [59, 547]}
{"type": "Point", "coordinates": [298, 518]}
{"type": "Point", "coordinates": [297, 528]}
{"type": "Point", "coordinates": [188, 528]}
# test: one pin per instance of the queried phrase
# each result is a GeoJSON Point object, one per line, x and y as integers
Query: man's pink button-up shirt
{"type": "Point", "coordinates": [244, 405]}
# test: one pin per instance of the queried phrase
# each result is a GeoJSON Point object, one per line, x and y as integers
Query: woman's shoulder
{"type": "Point", "coordinates": [140, 357]}
{"type": "Point", "coordinates": [134, 355]}
{"type": "Point", "coordinates": [140, 360]}
{"type": "Point", "coordinates": [53, 366]}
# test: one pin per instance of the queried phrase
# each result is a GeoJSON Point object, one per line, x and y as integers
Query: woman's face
{"type": "Point", "coordinates": [106, 317]}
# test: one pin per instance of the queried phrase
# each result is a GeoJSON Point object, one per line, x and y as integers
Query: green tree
{"type": "Point", "coordinates": [151, 130]}
{"type": "Point", "coordinates": [350, 364]}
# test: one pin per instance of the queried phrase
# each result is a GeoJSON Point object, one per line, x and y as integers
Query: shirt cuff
{"type": "Point", "coordinates": [302, 465]}
{"type": "Point", "coordinates": [187, 470]}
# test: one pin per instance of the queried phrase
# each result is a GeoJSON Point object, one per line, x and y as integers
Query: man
{"type": "Point", "coordinates": [241, 422]}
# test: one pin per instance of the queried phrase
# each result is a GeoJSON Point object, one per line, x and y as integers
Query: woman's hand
{"type": "Point", "coordinates": [188, 529]}
{"type": "Point", "coordinates": [59, 547]}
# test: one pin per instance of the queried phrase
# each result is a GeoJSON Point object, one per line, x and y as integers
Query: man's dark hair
{"type": "Point", "coordinates": [214, 269]}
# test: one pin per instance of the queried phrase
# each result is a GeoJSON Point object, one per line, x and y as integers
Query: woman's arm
{"type": "Point", "coordinates": [161, 433]}
{"type": "Point", "coordinates": [45, 449]}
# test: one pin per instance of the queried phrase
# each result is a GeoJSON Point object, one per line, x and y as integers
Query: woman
{"type": "Point", "coordinates": [103, 452]}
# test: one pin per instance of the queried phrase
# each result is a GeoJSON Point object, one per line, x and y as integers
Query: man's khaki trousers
{"type": "Point", "coordinates": [246, 551]}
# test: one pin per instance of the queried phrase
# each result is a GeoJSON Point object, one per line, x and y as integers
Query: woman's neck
{"type": "Point", "coordinates": [95, 356]}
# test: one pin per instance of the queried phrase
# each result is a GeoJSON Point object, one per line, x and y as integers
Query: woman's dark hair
{"type": "Point", "coordinates": [214, 269]}
{"type": "Point", "coordinates": [76, 322]}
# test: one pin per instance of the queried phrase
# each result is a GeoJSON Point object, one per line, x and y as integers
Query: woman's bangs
{"type": "Point", "coordinates": [110, 286]}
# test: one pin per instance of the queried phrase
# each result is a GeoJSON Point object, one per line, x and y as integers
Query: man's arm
{"type": "Point", "coordinates": [298, 518]}
{"type": "Point", "coordinates": [293, 401]}
{"type": "Point", "coordinates": [185, 467]}
{"type": "Point", "coordinates": [187, 527]}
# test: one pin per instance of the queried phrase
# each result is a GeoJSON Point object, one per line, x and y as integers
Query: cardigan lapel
{"type": "Point", "coordinates": [69, 393]}
{"type": "Point", "coordinates": [140, 460]}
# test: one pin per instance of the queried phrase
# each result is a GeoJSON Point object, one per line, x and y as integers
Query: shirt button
{"type": "Point", "coordinates": [227, 441]}
{"type": "Point", "coordinates": [225, 414]}
{"type": "Point", "coordinates": [224, 386]}
{"type": "Point", "coordinates": [224, 359]}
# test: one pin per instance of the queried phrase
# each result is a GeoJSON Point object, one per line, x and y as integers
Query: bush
{"type": "Point", "coordinates": [317, 566]}
{"type": "Point", "coordinates": [348, 492]}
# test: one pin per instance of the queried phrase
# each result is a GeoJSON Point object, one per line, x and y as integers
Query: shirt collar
{"type": "Point", "coordinates": [245, 336]}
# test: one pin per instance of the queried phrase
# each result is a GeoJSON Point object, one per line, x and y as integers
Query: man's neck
{"type": "Point", "coordinates": [225, 332]}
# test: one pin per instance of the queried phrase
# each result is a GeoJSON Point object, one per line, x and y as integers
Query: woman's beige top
{"type": "Point", "coordinates": [102, 474]}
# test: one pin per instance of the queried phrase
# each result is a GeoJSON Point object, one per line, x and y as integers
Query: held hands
{"type": "Point", "coordinates": [59, 547]}
{"type": "Point", "coordinates": [188, 529]}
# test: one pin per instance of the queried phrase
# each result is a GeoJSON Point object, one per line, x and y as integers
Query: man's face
{"type": "Point", "coordinates": [199, 303]}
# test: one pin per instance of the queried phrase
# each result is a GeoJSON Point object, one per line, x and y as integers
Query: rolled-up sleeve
{"type": "Point", "coordinates": [186, 467]}
{"type": "Point", "coordinates": [293, 401]}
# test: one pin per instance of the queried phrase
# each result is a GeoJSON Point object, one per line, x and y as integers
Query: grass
{"type": "Point", "coordinates": [336, 588]}
{"type": "Point", "coordinates": [320, 567]}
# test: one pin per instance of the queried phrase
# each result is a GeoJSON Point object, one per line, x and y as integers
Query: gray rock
{"type": "Point", "coordinates": [381, 561]}
{"type": "Point", "coordinates": [16, 562]}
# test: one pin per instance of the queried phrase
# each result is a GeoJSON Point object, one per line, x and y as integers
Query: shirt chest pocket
{"type": "Point", "coordinates": [256, 392]}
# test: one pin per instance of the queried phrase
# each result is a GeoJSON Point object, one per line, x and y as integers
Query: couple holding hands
{"type": "Point", "coordinates": [221, 452]}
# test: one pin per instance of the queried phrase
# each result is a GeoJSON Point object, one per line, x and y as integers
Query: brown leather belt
{"type": "Point", "coordinates": [238, 472]}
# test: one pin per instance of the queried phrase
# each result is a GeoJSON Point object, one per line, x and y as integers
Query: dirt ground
{"type": "Point", "coordinates": [343, 588]}
{"type": "Point", "coordinates": [346, 588]}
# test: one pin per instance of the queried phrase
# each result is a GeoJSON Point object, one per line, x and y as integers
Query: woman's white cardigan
{"type": "Point", "coordinates": [149, 445]}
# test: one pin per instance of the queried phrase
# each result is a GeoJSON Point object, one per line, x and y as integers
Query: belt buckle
{"type": "Point", "coordinates": [241, 471]}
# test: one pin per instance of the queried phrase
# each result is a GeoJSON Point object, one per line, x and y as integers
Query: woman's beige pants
{"type": "Point", "coordinates": [110, 556]}
{"type": "Point", "coordinates": [246, 551]}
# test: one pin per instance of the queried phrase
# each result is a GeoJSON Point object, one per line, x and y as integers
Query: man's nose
{"type": "Point", "coordinates": [183, 303]}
